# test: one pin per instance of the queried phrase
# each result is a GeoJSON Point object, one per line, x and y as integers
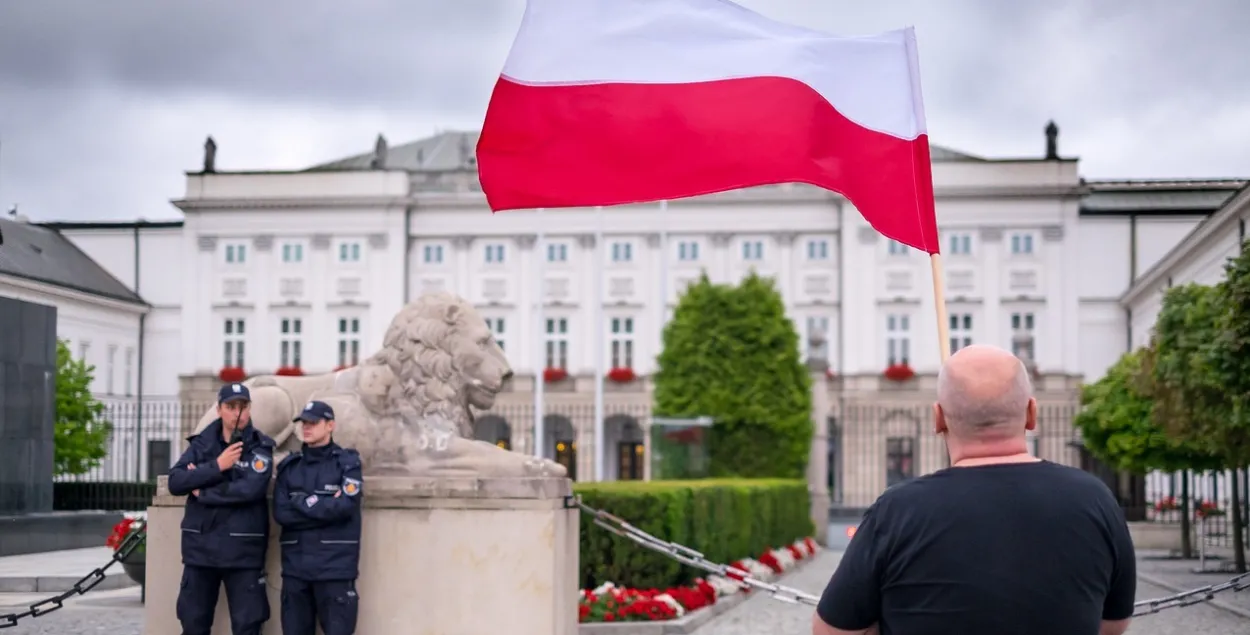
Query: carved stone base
{"type": "Point", "coordinates": [467, 556]}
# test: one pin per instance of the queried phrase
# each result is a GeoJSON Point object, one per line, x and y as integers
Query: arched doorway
{"type": "Point", "coordinates": [630, 449]}
{"type": "Point", "coordinates": [493, 429]}
{"type": "Point", "coordinates": [561, 442]}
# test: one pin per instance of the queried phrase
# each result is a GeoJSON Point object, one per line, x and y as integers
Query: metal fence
{"type": "Point", "coordinates": [1208, 494]}
{"type": "Point", "coordinates": [874, 446]}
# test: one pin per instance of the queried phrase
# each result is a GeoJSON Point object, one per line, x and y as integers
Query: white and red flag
{"type": "Point", "coordinates": [607, 102]}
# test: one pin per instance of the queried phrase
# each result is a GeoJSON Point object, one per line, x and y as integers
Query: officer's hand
{"type": "Point", "coordinates": [230, 456]}
{"type": "Point", "coordinates": [195, 493]}
{"type": "Point", "coordinates": [190, 466]}
{"type": "Point", "coordinates": [338, 493]}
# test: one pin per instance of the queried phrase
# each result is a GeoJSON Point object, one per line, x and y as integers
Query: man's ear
{"type": "Point", "coordinates": [939, 419]}
{"type": "Point", "coordinates": [1030, 415]}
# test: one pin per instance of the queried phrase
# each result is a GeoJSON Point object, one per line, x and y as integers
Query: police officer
{"type": "Point", "coordinates": [317, 502]}
{"type": "Point", "coordinates": [225, 475]}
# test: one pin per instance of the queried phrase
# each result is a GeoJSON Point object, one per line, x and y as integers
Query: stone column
{"type": "Point", "coordinates": [818, 458]}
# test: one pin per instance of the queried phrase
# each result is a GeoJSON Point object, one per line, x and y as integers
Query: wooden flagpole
{"type": "Point", "coordinates": [939, 303]}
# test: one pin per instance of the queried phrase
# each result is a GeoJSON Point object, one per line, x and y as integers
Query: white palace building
{"type": "Point", "coordinates": [306, 268]}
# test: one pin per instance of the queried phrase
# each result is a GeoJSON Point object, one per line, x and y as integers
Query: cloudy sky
{"type": "Point", "coordinates": [104, 105]}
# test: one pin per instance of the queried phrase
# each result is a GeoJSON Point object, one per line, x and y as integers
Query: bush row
{"type": "Point", "coordinates": [724, 519]}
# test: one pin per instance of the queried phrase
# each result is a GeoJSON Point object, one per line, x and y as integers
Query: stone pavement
{"type": "Point", "coordinates": [1174, 575]}
{"type": "Point", "coordinates": [762, 615]}
{"type": "Point", "coordinates": [59, 570]}
{"type": "Point", "coordinates": [119, 612]}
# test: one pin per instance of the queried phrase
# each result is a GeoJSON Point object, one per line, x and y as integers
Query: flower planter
{"type": "Point", "coordinates": [232, 374]}
{"type": "Point", "coordinates": [136, 568]}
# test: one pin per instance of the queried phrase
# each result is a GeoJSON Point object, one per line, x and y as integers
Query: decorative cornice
{"type": "Point", "coordinates": [207, 243]}
{"type": "Point", "coordinates": [991, 234]}
{"type": "Point", "coordinates": [868, 235]}
{"type": "Point", "coordinates": [586, 241]}
{"type": "Point", "coordinates": [721, 239]}
{"type": "Point", "coordinates": [378, 241]}
{"type": "Point", "coordinates": [786, 239]}
{"type": "Point", "coordinates": [320, 242]}
{"type": "Point", "coordinates": [462, 242]}
{"type": "Point", "coordinates": [263, 243]}
{"type": "Point", "coordinates": [1052, 233]}
{"type": "Point", "coordinates": [653, 240]}
{"type": "Point", "coordinates": [526, 241]}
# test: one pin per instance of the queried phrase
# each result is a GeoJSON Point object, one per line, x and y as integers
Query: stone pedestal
{"type": "Point", "coordinates": [438, 556]}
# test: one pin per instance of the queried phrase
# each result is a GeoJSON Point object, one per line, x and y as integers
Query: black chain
{"type": "Point", "coordinates": [88, 582]}
{"type": "Point", "coordinates": [1192, 596]}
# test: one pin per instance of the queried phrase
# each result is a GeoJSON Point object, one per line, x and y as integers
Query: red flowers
{"type": "Point", "coordinates": [551, 375]}
{"type": "Point", "coordinates": [899, 372]}
{"type": "Point", "coordinates": [120, 531]}
{"type": "Point", "coordinates": [290, 371]}
{"type": "Point", "coordinates": [622, 375]}
{"type": "Point", "coordinates": [231, 374]}
{"type": "Point", "coordinates": [610, 603]}
{"type": "Point", "coordinates": [1166, 504]}
{"type": "Point", "coordinates": [1208, 509]}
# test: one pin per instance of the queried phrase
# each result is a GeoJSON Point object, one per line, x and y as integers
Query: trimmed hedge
{"type": "Point", "coordinates": [724, 519]}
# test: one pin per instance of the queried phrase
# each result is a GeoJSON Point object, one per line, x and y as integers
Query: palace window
{"type": "Point", "coordinates": [496, 326]}
{"type": "Point", "coordinates": [753, 250]}
{"type": "Point", "coordinates": [349, 341]}
{"type": "Point", "coordinates": [818, 249]}
{"type": "Point", "coordinates": [897, 339]}
{"type": "Point", "coordinates": [290, 345]}
{"type": "Point", "coordinates": [292, 252]}
{"type": "Point", "coordinates": [687, 250]}
{"type": "Point", "coordinates": [960, 244]}
{"type": "Point", "coordinates": [622, 252]}
{"type": "Point", "coordinates": [493, 253]}
{"type": "Point", "coordinates": [433, 254]}
{"type": "Point", "coordinates": [236, 253]}
{"type": "Point", "coordinates": [557, 252]}
{"type": "Point", "coordinates": [557, 343]}
{"type": "Point", "coordinates": [960, 330]}
{"type": "Point", "coordinates": [1022, 243]}
{"type": "Point", "coordinates": [232, 356]}
{"type": "Point", "coordinates": [621, 342]}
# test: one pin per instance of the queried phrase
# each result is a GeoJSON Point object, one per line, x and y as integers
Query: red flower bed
{"type": "Point", "coordinates": [609, 603]}
{"type": "Point", "coordinates": [554, 374]}
{"type": "Point", "coordinates": [290, 371]}
{"type": "Point", "coordinates": [231, 374]}
{"type": "Point", "coordinates": [622, 375]}
{"type": "Point", "coordinates": [899, 372]}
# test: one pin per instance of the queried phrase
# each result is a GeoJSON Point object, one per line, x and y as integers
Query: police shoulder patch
{"type": "Point", "coordinates": [351, 486]}
{"type": "Point", "coordinates": [260, 463]}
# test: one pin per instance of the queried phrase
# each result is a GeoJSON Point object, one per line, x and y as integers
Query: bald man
{"type": "Point", "coordinates": [1000, 542]}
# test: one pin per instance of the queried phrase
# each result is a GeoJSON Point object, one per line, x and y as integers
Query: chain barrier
{"type": "Point", "coordinates": [88, 582]}
{"type": "Point", "coordinates": [620, 527]}
{"type": "Point", "coordinates": [693, 558]}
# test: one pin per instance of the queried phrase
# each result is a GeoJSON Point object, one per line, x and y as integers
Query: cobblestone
{"type": "Point", "coordinates": [120, 612]}
{"type": "Point", "coordinates": [762, 615]}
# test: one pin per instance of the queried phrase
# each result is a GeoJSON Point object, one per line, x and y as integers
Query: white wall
{"type": "Point", "coordinates": [104, 333]}
{"type": "Point", "coordinates": [161, 263]}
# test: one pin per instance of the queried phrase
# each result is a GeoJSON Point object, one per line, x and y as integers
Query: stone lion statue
{"type": "Point", "coordinates": [406, 408]}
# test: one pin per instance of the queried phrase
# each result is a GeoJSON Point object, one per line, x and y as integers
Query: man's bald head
{"type": "Point", "coordinates": [984, 392]}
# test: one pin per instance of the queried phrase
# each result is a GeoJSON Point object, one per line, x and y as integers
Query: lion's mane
{"type": "Point", "coordinates": [426, 388]}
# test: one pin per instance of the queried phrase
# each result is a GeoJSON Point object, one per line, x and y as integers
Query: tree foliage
{"type": "Point", "coordinates": [81, 434]}
{"type": "Point", "coordinates": [1118, 425]}
{"type": "Point", "coordinates": [1190, 401]}
{"type": "Point", "coordinates": [731, 353]}
{"type": "Point", "coordinates": [1229, 357]}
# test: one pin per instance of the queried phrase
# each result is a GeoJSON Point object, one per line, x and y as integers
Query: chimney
{"type": "Point", "coordinates": [1052, 141]}
{"type": "Point", "coordinates": [379, 154]}
{"type": "Point", "coordinates": [210, 156]}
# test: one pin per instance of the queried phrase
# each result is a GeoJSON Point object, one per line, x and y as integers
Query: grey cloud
{"type": "Point", "coordinates": [103, 105]}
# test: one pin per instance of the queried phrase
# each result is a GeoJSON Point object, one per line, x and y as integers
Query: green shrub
{"type": "Point", "coordinates": [731, 353]}
{"type": "Point", "coordinates": [724, 519]}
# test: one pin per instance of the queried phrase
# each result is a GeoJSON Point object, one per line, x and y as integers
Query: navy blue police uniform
{"type": "Point", "coordinates": [316, 500]}
{"type": "Point", "coordinates": [225, 528]}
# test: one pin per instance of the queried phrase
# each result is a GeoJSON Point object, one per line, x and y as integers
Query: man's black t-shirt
{"type": "Point", "coordinates": [1012, 548]}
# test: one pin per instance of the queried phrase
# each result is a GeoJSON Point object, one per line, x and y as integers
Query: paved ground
{"type": "Point", "coordinates": [762, 615]}
{"type": "Point", "coordinates": [119, 612]}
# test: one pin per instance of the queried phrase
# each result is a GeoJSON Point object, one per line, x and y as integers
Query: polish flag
{"type": "Point", "coordinates": [609, 102]}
